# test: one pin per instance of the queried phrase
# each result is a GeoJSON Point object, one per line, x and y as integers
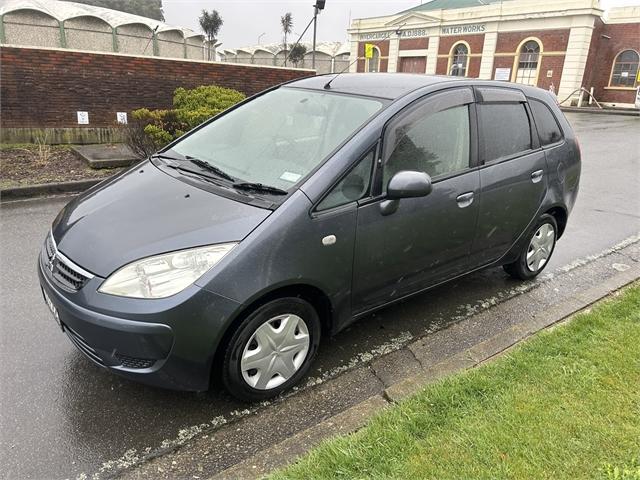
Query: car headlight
{"type": "Point", "coordinates": [164, 275]}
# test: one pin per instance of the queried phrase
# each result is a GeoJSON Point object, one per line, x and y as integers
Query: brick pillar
{"type": "Point", "coordinates": [488, 52]}
{"type": "Point", "coordinates": [394, 50]}
{"type": "Point", "coordinates": [575, 60]}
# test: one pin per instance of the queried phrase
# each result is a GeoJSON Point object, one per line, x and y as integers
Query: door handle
{"type": "Point", "coordinates": [537, 176]}
{"type": "Point", "coordinates": [465, 199]}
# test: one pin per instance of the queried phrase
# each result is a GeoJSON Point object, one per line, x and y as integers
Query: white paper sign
{"type": "Point", "coordinates": [290, 177]}
{"type": "Point", "coordinates": [83, 118]}
{"type": "Point", "coordinates": [121, 117]}
{"type": "Point", "coordinates": [503, 74]}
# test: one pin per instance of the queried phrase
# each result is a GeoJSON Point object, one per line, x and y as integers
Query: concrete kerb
{"type": "Point", "coordinates": [29, 191]}
{"type": "Point", "coordinates": [632, 112]}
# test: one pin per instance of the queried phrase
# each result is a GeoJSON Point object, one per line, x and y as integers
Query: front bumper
{"type": "Point", "coordinates": [168, 343]}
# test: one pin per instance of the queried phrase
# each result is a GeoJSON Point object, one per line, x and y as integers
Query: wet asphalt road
{"type": "Point", "coordinates": [61, 415]}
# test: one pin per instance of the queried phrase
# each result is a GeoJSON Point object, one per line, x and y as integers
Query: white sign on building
{"type": "Point", "coordinates": [503, 74]}
{"type": "Point", "coordinates": [83, 118]}
{"type": "Point", "coordinates": [463, 29]}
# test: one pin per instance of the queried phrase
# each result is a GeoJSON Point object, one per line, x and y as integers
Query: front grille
{"type": "Point", "coordinates": [68, 276]}
{"type": "Point", "coordinates": [82, 345]}
{"type": "Point", "coordinates": [63, 270]}
{"type": "Point", "coordinates": [134, 363]}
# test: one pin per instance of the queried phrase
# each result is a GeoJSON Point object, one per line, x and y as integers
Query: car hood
{"type": "Point", "coordinates": [145, 212]}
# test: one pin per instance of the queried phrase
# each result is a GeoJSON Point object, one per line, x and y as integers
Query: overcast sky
{"type": "Point", "coordinates": [245, 20]}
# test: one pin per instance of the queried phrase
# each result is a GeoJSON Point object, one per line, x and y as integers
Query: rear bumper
{"type": "Point", "coordinates": [169, 343]}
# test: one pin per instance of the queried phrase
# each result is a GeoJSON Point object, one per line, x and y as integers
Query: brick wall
{"type": "Point", "coordinates": [555, 64]}
{"type": "Point", "coordinates": [383, 46]}
{"type": "Point", "coordinates": [552, 40]}
{"type": "Point", "coordinates": [45, 88]}
{"type": "Point", "coordinates": [414, 43]}
{"type": "Point", "coordinates": [476, 42]}
{"type": "Point", "coordinates": [602, 54]}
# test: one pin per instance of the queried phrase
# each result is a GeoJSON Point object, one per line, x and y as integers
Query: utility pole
{"type": "Point", "coordinates": [319, 5]}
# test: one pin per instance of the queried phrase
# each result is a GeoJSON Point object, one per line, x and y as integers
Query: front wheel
{"type": "Point", "coordinates": [538, 250]}
{"type": "Point", "coordinates": [272, 349]}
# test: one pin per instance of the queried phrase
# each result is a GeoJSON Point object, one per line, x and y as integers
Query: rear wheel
{"type": "Point", "coordinates": [538, 250]}
{"type": "Point", "coordinates": [272, 349]}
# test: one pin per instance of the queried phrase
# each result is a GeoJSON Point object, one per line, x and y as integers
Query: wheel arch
{"type": "Point", "coordinates": [560, 214]}
{"type": "Point", "coordinates": [312, 294]}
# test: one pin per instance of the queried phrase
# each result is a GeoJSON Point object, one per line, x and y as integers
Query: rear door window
{"type": "Point", "coordinates": [505, 130]}
{"type": "Point", "coordinates": [546, 123]}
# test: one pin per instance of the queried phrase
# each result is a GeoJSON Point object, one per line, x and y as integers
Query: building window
{"type": "Point", "coordinates": [528, 61]}
{"type": "Point", "coordinates": [373, 63]}
{"type": "Point", "coordinates": [625, 69]}
{"type": "Point", "coordinates": [459, 60]}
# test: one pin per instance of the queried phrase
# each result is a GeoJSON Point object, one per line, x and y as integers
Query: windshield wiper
{"type": "Point", "coordinates": [196, 161]}
{"type": "Point", "coordinates": [166, 157]}
{"type": "Point", "coordinates": [207, 166]}
{"type": "Point", "coordinates": [259, 187]}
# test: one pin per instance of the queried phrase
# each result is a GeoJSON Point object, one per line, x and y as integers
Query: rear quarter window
{"type": "Point", "coordinates": [546, 123]}
{"type": "Point", "coordinates": [505, 130]}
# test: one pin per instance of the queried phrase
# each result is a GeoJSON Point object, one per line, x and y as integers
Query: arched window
{"type": "Point", "coordinates": [459, 60]}
{"type": "Point", "coordinates": [528, 62]}
{"type": "Point", "coordinates": [625, 69]}
{"type": "Point", "coordinates": [373, 63]}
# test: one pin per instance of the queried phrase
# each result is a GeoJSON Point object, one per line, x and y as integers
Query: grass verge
{"type": "Point", "coordinates": [563, 405]}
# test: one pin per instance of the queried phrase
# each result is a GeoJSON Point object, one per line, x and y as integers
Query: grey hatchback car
{"type": "Point", "coordinates": [227, 255]}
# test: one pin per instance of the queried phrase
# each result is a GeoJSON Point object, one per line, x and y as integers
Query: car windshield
{"type": "Point", "coordinates": [278, 138]}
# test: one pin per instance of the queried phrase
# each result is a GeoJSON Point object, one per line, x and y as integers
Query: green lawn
{"type": "Point", "coordinates": [563, 405]}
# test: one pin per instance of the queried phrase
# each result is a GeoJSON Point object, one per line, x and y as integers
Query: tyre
{"type": "Point", "coordinates": [538, 250]}
{"type": "Point", "coordinates": [272, 349]}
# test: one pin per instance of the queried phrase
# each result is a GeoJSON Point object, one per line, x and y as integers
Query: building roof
{"type": "Point", "coordinates": [330, 48]}
{"type": "Point", "coordinates": [450, 5]}
{"type": "Point", "coordinates": [62, 11]}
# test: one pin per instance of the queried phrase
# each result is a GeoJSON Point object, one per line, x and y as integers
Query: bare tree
{"type": "Point", "coordinates": [287, 26]}
{"type": "Point", "coordinates": [210, 24]}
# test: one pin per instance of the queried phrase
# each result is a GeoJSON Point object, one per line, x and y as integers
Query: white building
{"type": "Point", "coordinates": [560, 45]}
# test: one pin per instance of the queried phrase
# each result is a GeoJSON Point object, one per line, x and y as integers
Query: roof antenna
{"type": "Point", "coordinates": [398, 31]}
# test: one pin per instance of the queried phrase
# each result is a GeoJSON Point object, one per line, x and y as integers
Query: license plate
{"type": "Point", "coordinates": [52, 307]}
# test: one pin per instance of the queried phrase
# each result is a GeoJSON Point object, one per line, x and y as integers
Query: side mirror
{"type": "Point", "coordinates": [408, 184]}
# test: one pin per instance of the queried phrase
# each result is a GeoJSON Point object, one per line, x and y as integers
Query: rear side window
{"type": "Point", "coordinates": [505, 130]}
{"type": "Point", "coordinates": [548, 128]}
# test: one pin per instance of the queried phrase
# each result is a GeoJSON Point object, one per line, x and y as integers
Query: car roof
{"type": "Point", "coordinates": [396, 85]}
{"type": "Point", "coordinates": [382, 85]}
